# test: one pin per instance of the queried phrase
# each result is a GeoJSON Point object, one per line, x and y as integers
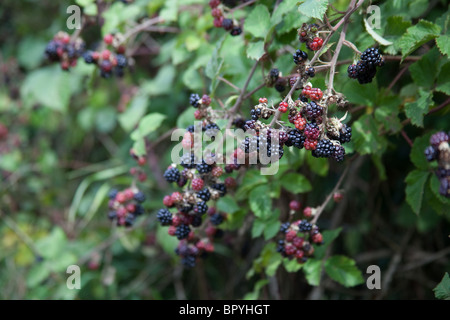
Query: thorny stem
{"type": "Point", "coordinates": [334, 59]}
{"type": "Point", "coordinates": [245, 4]}
{"type": "Point", "coordinates": [141, 27]}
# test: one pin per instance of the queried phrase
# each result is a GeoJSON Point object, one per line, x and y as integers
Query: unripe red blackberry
{"type": "Point", "coordinates": [230, 182]}
{"type": "Point", "coordinates": [197, 184]}
{"type": "Point", "coordinates": [437, 138]}
{"type": "Point", "coordinates": [217, 172]}
{"type": "Point", "coordinates": [167, 201]}
{"type": "Point", "coordinates": [290, 235]}
{"type": "Point", "coordinates": [307, 212]}
{"type": "Point", "coordinates": [338, 196]}
{"type": "Point", "coordinates": [295, 205]}
{"type": "Point", "coordinates": [176, 197]}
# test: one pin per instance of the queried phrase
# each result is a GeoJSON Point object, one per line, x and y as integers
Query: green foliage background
{"type": "Point", "coordinates": [70, 136]}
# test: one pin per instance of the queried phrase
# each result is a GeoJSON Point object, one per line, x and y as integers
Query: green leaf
{"type": "Point", "coordinates": [417, 35]}
{"type": "Point", "coordinates": [170, 11]}
{"type": "Point", "coordinates": [442, 290]}
{"type": "Point", "coordinates": [167, 242]}
{"type": "Point", "coordinates": [387, 113]}
{"type": "Point", "coordinates": [37, 274]}
{"type": "Point", "coordinates": [285, 7]}
{"type": "Point", "coordinates": [291, 265]}
{"type": "Point", "coordinates": [313, 270]}
{"type": "Point", "coordinates": [365, 136]}
{"type": "Point", "coordinates": [50, 87]}
{"type": "Point", "coordinates": [313, 8]}
{"type": "Point", "coordinates": [148, 124]}
{"type": "Point", "coordinates": [417, 109]}
{"type": "Point", "coordinates": [271, 228]}
{"type": "Point", "coordinates": [328, 238]}
{"type": "Point", "coordinates": [425, 70]}
{"type": "Point", "coordinates": [364, 95]}
{"type": "Point", "coordinates": [417, 155]}
{"type": "Point", "coordinates": [52, 245]}
{"type": "Point", "coordinates": [319, 166]}
{"type": "Point", "coordinates": [255, 50]}
{"type": "Point", "coordinates": [161, 84]}
{"type": "Point", "coordinates": [257, 23]}
{"type": "Point", "coordinates": [251, 180]}
{"type": "Point", "coordinates": [227, 204]}
{"type": "Point", "coordinates": [443, 80]}
{"type": "Point", "coordinates": [214, 66]}
{"type": "Point", "coordinates": [136, 110]}
{"type": "Point", "coordinates": [415, 183]}
{"type": "Point", "coordinates": [443, 43]}
{"type": "Point", "coordinates": [396, 26]}
{"type": "Point", "coordinates": [435, 185]}
{"type": "Point", "coordinates": [260, 203]}
{"type": "Point", "coordinates": [295, 183]}
{"type": "Point", "coordinates": [375, 35]}
{"type": "Point", "coordinates": [343, 270]}
{"type": "Point", "coordinates": [186, 118]}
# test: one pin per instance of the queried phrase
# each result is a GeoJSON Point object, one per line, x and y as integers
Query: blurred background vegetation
{"type": "Point", "coordinates": [68, 144]}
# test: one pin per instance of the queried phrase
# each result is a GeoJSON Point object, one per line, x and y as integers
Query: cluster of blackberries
{"type": "Point", "coordinates": [61, 49]}
{"type": "Point", "coordinates": [193, 246]}
{"type": "Point", "coordinates": [220, 21]}
{"type": "Point", "coordinates": [274, 79]}
{"type": "Point", "coordinates": [297, 240]}
{"type": "Point", "coordinates": [439, 150]}
{"type": "Point", "coordinates": [67, 52]}
{"type": "Point", "coordinates": [366, 68]}
{"type": "Point", "coordinates": [308, 34]}
{"type": "Point", "coordinates": [200, 104]}
{"type": "Point", "coordinates": [125, 206]}
{"type": "Point", "coordinates": [108, 61]}
{"type": "Point", "coordinates": [187, 212]}
{"type": "Point", "coordinates": [261, 110]}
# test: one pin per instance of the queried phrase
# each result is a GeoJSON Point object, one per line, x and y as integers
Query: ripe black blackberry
{"type": "Point", "coordinates": [88, 58]}
{"type": "Point", "coordinates": [365, 72]}
{"type": "Point", "coordinates": [186, 207]}
{"type": "Point", "coordinates": [139, 196]}
{"type": "Point", "coordinates": [227, 24]}
{"type": "Point", "coordinates": [280, 248]}
{"type": "Point", "coordinates": [182, 231]}
{"type": "Point", "coordinates": [274, 74]}
{"type": "Point", "coordinates": [304, 226]}
{"type": "Point", "coordinates": [284, 227]}
{"type": "Point", "coordinates": [296, 139]}
{"type": "Point", "coordinates": [324, 149]}
{"type": "Point", "coordinates": [311, 72]}
{"type": "Point", "coordinates": [339, 153]}
{"type": "Point", "coordinates": [255, 113]}
{"type": "Point", "coordinates": [129, 220]}
{"type": "Point", "coordinates": [191, 128]}
{"type": "Point", "coordinates": [352, 71]}
{"type": "Point", "coordinates": [249, 125]}
{"type": "Point", "coordinates": [172, 174]}
{"type": "Point", "coordinates": [113, 193]}
{"type": "Point", "coordinates": [277, 153]}
{"type": "Point", "coordinates": [345, 134]}
{"type": "Point", "coordinates": [211, 128]}
{"type": "Point", "coordinates": [216, 219]}
{"type": "Point", "coordinates": [204, 194]}
{"type": "Point", "coordinates": [200, 207]}
{"type": "Point", "coordinates": [372, 57]}
{"type": "Point", "coordinates": [302, 98]}
{"type": "Point", "coordinates": [188, 160]}
{"type": "Point", "coordinates": [442, 173]}
{"type": "Point", "coordinates": [313, 111]}
{"type": "Point", "coordinates": [112, 215]}
{"type": "Point", "coordinates": [164, 217]}
{"type": "Point", "coordinates": [236, 31]}
{"type": "Point", "coordinates": [300, 56]}
{"type": "Point", "coordinates": [282, 137]}
{"type": "Point", "coordinates": [437, 138]}
{"type": "Point", "coordinates": [188, 261]}
{"type": "Point", "coordinates": [139, 210]}
{"type": "Point", "coordinates": [239, 123]}
{"type": "Point", "coordinates": [220, 187]}
{"type": "Point", "coordinates": [197, 221]}
{"type": "Point", "coordinates": [51, 51]}
{"type": "Point", "coordinates": [121, 61]}
{"type": "Point", "coordinates": [194, 100]}
{"type": "Point", "coordinates": [203, 167]}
